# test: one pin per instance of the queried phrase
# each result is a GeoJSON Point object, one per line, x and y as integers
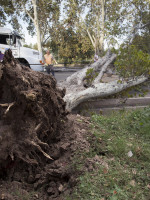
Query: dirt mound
{"type": "Point", "coordinates": [37, 138]}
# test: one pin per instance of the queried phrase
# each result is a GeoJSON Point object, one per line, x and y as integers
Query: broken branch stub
{"type": "Point", "coordinates": [104, 68]}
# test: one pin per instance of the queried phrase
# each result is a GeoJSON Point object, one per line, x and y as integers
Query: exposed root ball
{"type": "Point", "coordinates": [38, 140]}
{"type": "Point", "coordinates": [31, 112]}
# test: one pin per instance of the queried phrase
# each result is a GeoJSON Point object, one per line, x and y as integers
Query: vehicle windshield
{"type": "Point", "coordinates": [10, 40]}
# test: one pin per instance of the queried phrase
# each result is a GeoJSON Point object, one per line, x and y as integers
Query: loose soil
{"type": "Point", "coordinates": [38, 138]}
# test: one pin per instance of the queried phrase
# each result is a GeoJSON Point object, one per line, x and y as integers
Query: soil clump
{"type": "Point", "coordinates": [38, 138]}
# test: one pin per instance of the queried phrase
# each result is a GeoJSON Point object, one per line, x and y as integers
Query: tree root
{"type": "Point", "coordinates": [34, 116]}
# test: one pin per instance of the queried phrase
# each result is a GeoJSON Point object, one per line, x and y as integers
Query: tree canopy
{"type": "Point", "coordinates": [77, 28]}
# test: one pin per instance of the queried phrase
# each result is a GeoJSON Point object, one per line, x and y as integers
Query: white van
{"type": "Point", "coordinates": [12, 40]}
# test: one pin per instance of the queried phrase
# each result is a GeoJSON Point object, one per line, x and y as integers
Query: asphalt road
{"type": "Point", "coordinates": [60, 76]}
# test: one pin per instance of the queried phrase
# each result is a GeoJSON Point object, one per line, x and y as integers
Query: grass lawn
{"type": "Point", "coordinates": [122, 142]}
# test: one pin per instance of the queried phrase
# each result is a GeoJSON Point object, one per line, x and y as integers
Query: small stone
{"type": "Point", "coordinates": [148, 186]}
{"type": "Point", "coordinates": [130, 154]}
{"type": "Point", "coordinates": [37, 176]}
{"type": "Point", "coordinates": [3, 196]}
{"type": "Point", "coordinates": [61, 187]}
{"type": "Point", "coordinates": [36, 195]}
{"type": "Point", "coordinates": [132, 183]}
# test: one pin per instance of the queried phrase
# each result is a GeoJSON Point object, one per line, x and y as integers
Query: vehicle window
{"type": "Point", "coordinates": [3, 39]}
{"type": "Point", "coordinates": [6, 39]}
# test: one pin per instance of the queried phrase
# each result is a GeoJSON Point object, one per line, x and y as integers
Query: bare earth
{"type": "Point", "coordinates": [39, 140]}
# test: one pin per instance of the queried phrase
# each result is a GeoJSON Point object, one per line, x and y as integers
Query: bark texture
{"type": "Point", "coordinates": [80, 89]}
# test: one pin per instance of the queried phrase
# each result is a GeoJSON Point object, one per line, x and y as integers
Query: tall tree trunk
{"type": "Point", "coordinates": [102, 27]}
{"type": "Point", "coordinates": [98, 40]}
{"type": "Point", "coordinates": [36, 23]}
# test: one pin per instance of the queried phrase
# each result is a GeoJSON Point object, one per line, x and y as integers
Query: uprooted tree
{"type": "Point", "coordinates": [36, 139]}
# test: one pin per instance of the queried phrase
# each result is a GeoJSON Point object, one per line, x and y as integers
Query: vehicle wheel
{"type": "Point", "coordinates": [27, 65]}
{"type": "Point", "coordinates": [23, 62]}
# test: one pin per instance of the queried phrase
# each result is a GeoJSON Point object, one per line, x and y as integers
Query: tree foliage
{"type": "Point", "coordinates": [132, 62]}
{"type": "Point", "coordinates": [40, 15]}
{"type": "Point", "coordinates": [102, 20]}
{"type": "Point", "coordinates": [108, 22]}
{"type": "Point", "coordinates": [85, 26]}
{"type": "Point", "coordinates": [69, 44]}
{"type": "Point", "coordinates": [7, 11]}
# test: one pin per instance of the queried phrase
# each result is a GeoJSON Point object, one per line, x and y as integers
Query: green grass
{"type": "Point", "coordinates": [124, 178]}
{"type": "Point", "coordinates": [18, 194]}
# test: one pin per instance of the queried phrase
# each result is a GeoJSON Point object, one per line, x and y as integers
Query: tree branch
{"type": "Point", "coordinates": [77, 77]}
{"type": "Point", "coordinates": [103, 69]}
{"type": "Point", "coordinates": [28, 13]}
{"type": "Point", "coordinates": [100, 90]}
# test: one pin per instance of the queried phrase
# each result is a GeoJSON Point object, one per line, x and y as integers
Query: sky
{"type": "Point", "coordinates": [28, 38]}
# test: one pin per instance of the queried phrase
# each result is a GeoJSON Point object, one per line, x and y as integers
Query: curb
{"type": "Point", "coordinates": [67, 69]}
{"type": "Point", "coordinates": [106, 106]}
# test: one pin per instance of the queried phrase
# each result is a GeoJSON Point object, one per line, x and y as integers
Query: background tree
{"type": "Point", "coordinates": [6, 10]}
{"type": "Point", "coordinates": [102, 22]}
{"type": "Point", "coordinates": [67, 40]}
{"type": "Point", "coordinates": [133, 56]}
{"type": "Point", "coordinates": [70, 45]}
{"type": "Point", "coordinates": [141, 30]}
{"type": "Point", "coordinates": [108, 22]}
{"type": "Point", "coordinates": [99, 20]}
{"type": "Point", "coordinates": [40, 15]}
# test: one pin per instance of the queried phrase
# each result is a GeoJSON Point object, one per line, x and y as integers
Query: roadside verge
{"type": "Point", "coordinates": [106, 106]}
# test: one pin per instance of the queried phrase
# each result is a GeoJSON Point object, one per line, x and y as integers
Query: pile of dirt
{"type": "Point", "coordinates": [38, 138]}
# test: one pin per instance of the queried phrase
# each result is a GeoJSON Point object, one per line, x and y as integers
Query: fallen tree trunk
{"type": "Point", "coordinates": [77, 91]}
{"type": "Point", "coordinates": [99, 90]}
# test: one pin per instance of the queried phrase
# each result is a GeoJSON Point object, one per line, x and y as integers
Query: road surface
{"type": "Point", "coordinates": [60, 76]}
